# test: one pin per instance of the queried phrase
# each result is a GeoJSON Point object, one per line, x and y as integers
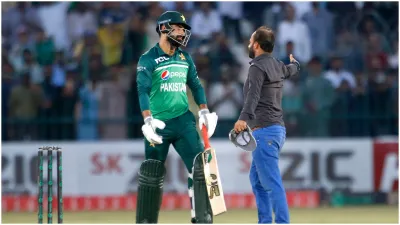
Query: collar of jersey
{"type": "Point", "coordinates": [161, 52]}
{"type": "Point", "coordinates": [264, 55]}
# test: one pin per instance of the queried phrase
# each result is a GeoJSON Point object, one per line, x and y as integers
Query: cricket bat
{"type": "Point", "coordinates": [211, 173]}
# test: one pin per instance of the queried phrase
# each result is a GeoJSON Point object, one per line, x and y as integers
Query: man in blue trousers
{"type": "Point", "coordinates": [262, 113]}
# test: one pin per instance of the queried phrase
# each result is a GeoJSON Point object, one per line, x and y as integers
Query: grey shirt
{"type": "Point", "coordinates": [263, 91]}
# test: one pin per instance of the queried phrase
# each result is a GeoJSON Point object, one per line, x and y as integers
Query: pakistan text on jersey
{"type": "Point", "coordinates": [173, 87]}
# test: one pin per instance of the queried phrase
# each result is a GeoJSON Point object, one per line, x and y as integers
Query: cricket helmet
{"type": "Point", "coordinates": [169, 18]}
{"type": "Point", "coordinates": [244, 139]}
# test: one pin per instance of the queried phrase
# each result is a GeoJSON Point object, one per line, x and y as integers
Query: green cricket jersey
{"type": "Point", "coordinates": [162, 80]}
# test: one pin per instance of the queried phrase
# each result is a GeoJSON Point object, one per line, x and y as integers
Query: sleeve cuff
{"type": "Point", "coordinates": [244, 116]}
{"type": "Point", "coordinates": [297, 65]}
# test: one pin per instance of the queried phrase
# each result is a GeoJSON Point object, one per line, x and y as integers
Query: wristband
{"type": "Point", "coordinates": [148, 119]}
{"type": "Point", "coordinates": [203, 112]}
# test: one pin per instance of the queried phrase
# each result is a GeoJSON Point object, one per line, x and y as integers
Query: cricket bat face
{"type": "Point", "coordinates": [213, 181]}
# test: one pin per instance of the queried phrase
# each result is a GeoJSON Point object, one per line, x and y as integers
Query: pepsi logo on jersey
{"type": "Point", "coordinates": [165, 75]}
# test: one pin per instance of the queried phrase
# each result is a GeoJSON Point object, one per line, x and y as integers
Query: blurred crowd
{"type": "Point", "coordinates": [69, 68]}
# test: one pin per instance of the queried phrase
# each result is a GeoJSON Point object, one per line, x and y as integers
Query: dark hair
{"type": "Point", "coordinates": [265, 37]}
{"type": "Point", "coordinates": [316, 59]}
{"type": "Point", "coordinates": [26, 51]}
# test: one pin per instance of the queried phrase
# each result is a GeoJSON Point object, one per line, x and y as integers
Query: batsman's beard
{"type": "Point", "coordinates": [251, 52]}
{"type": "Point", "coordinates": [173, 40]}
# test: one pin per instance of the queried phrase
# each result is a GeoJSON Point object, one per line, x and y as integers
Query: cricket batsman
{"type": "Point", "coordinates": [162, 75]}
{"type": "Point", "coordinates": [262, 113]}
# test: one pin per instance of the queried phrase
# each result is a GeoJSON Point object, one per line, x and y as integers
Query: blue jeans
{"type": "Point", "coordinates": [265, 176]}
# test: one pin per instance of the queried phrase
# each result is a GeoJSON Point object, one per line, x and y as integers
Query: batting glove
{"type": "Point", "coordinates": [209, 120]}
{"type": "Point", "coordinates": [149, 129]}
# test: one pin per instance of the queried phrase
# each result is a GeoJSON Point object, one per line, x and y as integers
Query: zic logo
{"type": "Point", "coordinates": [165, 75]}
{"type": "Point", "coordinates": [214, 189]}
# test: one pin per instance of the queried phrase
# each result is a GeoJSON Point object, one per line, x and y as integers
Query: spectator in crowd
{"type": "Point", "coordinates": [133, 107]}
{"type": "Point", "coordinates": [380, 100]}
{"type": "Point", "coordinates": [273, 15]}
{"type": "Point", "coordinates": [206, 21]}
{"type": "Point", "coordinates": [203, 63]}
{"type": "Point", "coordinates": [7, 75]}
{"type": "Point", "coordinates": [95, 67]}
{"type": "Point", "coordinates": [87, 114]}
{"type": "Point", "coordinates": [359, 106]}
{"type": "Point", "coordinates": [24, 103]}
{"type": "Point", "coordinates": [241, 53]}
{"type": "Point", "coordinates": [48, 74]}
{"type": "Point", "coordinates": [53, 16]}
{"type": "Point", "coordinates": [44, 48]}
{"type": "Point", "coordinates": [185, 8]}
{"type": "Point", "coordinates": [113, 99]}
{"type": "Point", "coordinates": [220, 54]}
{"type": "Point", "coordinates": [30, 65]}
{"type": "Point", "coordinates": [23, 42]}
{"type": "Point", "coordinates": [393, 81]}
{"type": "Point", "coordinates": [368, 27]}
{"type": "Point", "coordinates": [341, 8]}
{"type": "Point", "coordinates": [48, 82]}
{"type": "Point", "coordinates": [289, 50]}
{"type": "Point", "coordinates": [302, 8]}
{"type": "Point", "coordinates": [203, 73]}
{"type": "Point", "coordinates": [136, 38]}
{"type": "Point", "coordinates": [86, 49]}
{"type": "Point", "coordinates": [111, 37]}
{"type": "Point", "coordinates": [154, 10]}
{"type": "Point", "coordinates": [48, 112]}
{"type": "Point", "coordinates": [320, 25]}
{"type": "Point", "coordinates": [292, 104]}
{"type": "Point", "coordinates": [337, 74]}
{"type": "Point", "coordinates": [226, 97]}
{"type": "Point", "coordinates": [113, 10]}
{"type": "Point", "coordinates": [59, 73]}
{"type": "Point", "coordinates": [80, 20]}
{"type": "Point", "coordinates": [343, 82]}
{"type": "Point", "coordinates": [295, 30]}
{"type": "Point", "coordinates": [347, 45]}
{"type": "Point", "coordinates": [340, 109]}
{"type": "Point", "coordinates": [67, 106]}
{"type": "Point", "coordinates": [231, 13]}
{"type": "Point", "coordinates": [318, 96]}
{"type": "Point", "coordinates": [21, 14]}
{"type": "Point", "coordinates": [374, 52]}
{"type": "Point", "coordinates": [253, 11]}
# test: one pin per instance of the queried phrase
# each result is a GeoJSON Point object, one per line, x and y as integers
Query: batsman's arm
{"type": "Point", "coordinates": [256, 79]}
{"type": "Point", "coordinates": [144, 83]}
{"type": "Point", "coordinates": [194, 84]}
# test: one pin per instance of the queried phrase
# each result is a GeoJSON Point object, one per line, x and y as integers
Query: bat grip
{"type": "Point", "coordinates": [205, 137]}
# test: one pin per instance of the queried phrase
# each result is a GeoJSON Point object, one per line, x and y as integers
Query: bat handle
{"type": "Point", "coordinates": [205, 137]}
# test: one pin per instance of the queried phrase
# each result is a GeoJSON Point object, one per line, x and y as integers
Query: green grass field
{"type": "Point", "coordinates": [365, 214]}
